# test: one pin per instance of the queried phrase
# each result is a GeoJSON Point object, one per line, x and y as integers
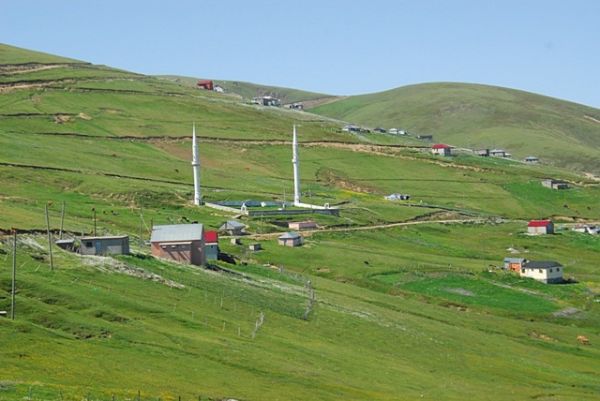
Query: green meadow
{"type": "Point", "coordinates": [409, 298]}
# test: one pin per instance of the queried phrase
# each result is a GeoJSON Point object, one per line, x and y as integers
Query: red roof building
{"type": "Point", "coordinates": [441, 149]}
{"type": "Point", "coordinates": [211, 237]}
{"type": "Point", "coordinates": [205, 84]}
{"type": "Point", "coordinates": [540, 227]}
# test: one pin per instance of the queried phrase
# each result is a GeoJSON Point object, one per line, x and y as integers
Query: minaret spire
{"type": "Point", "coordinates": [296, 164]}
{"type": "Point", "coordinates": [196, 167]}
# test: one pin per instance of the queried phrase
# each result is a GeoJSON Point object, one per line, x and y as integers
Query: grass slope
{"type": "Point", "coordinates": [16, 55]}
{"type": "Point", "coordinates": [404, 312]}
{"type": "Point", "coordinates": [559, 132]}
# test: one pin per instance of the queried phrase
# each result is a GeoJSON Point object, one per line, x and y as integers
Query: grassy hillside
{"type": "Point", "coordinates": [409, 302]}
{"type": "Point", "coordinates": [248, 90]}
{"type": "Point", "coordinates": [479, 116]}
{"type": "Point", "coordinates": [16, 55]}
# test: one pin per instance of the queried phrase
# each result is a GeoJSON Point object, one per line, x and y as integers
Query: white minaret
{"type": "Point", "coordinates": [295, 163]}
{"type": "Point", "coordinates": [196, 166]}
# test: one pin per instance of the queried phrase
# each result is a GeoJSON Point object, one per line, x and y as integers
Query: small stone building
{"type": "Point", "coordinates": [102, 246]}
{"type": "Point", "coordinates": [291, 239]}
{"type": "Point", "coordinates": [232, 227]}
{"type": "Point", "coordinates": [180, 243]}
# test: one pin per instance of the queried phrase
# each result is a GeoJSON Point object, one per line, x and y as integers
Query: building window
{"type": "Point", "coordinates": [550, 270]}
{"type": "Point", "coordinates": [540, 271]}
{"type": "Point", "coordinates": [558, 269]}
{"type": "Point", "coordinates": [523, 271]}
{"type": "Point", "coordinates": [88, 244]}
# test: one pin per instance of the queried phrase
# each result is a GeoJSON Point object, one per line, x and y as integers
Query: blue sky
{"type": "Point", "coordinates": [331, 46]}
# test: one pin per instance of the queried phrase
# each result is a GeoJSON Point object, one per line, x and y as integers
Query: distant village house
{"type": "Point", "coordinates": [425, 137]}
{"type": "Point", "coordinates": [537, 227]}
{"type": "Point", "coordinates": [267, 101]}
{"type": "Point", "coordinates": [205, 84]}
{"type": "Point", "coordinates": [555, 184]}
{"type": "Point", "coordinates": [302, 225]}
{"type": "Point", "coordinates": [397, 197]}
{"type": "Point", "coordinates": [441, 149]}
{"type": "Point", "coordinates": [180, 243]}
{"type": "Point", "coordinates": [548, 272]}
{"type": "Point", "coordinates": [531, 160]}
{"type": "Point", "coordinates": [497, 153]}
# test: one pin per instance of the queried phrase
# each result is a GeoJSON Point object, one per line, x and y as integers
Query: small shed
{"type": "Point", "coordinates": [302, 225]}
{"type": "Point", "coordinates": [102, 246]}
{"type": "Point", "coordinates": [497, 153]}
{"type": "Point", "coordinates": [483, 152]}
{"type": "Point", "coordinates": [397, 197]}
{"type": "Point", "coordinates": [425, 137]}
{"type": "Point", "coordinates": [255, 247]}
{"type": "Point", "coordinates": [540, 227]}
{"type": "Point", "coordinates": [179, 242]}
{"type": "Point", "coordinates": [380, 130]}
{"type": "Point", "coordinates": [514, 264]}
{"type": "Point", "coordinates": [547, 272]}
{"type": "Point", "coordinates": [554, 184]}
{"type": "Point", "coordinates": [66, 244]}
{"type": "Point", "coordinates": [211, 245]}
{"type": "Point", "coordinates": [291, 239]}
{"type": "Point", "coordinates": [232, 227]}
{"type": "Point", "coordinates": [235, 241]}
{"type": "Point", "coordinates": [531, 160]}
{"type": "Point", "coordinates": [441, 149]}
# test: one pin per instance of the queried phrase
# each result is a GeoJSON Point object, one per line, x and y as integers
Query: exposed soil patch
{"type": "Point", "coordinates": [460, 291]}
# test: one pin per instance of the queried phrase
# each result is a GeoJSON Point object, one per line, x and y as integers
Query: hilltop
{"type": "Point", "coordinates": [561, 133]}
{"type": "Point", "coordinates": [387, 301]}
{"type": "Point", "coordinates": [248, 90]}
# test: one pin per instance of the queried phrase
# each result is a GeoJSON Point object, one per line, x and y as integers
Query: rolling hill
{"type": "Point", "coordinates": [479, 116]}
{"type": "Point", "coordinates": [409, 302]}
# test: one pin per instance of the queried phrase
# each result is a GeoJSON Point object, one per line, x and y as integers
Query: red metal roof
{"type": "Point", "coordinates": [441, 146]}
{"type": "Point", "coordinates": [211, 236]}
{"type": "Point", "coordinates": [539, 223]}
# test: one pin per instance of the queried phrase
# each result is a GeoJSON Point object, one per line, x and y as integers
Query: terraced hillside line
{"type": "Point", "coordinates": [115, 175]}
{"type": "Point", "coordinates": [12, 69]}
{"type": "Point", "coordinates": [248, 141]}
{"type": "Point", "coordinates": [267, 236]}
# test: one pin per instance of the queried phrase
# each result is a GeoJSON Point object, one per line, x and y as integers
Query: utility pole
{"type": "Point", "coordinates": [94, 218]}
{"type": "Point", "coordinates": [14, 276]}
{"type": "Point", "coordinates": [62, 220]}
{"type": "Point", "coordinates": [49, 238]}
{"type": "Point", "coordinates": [141, 230]}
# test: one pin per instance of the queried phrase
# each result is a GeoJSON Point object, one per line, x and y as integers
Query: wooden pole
{"type": "Point", "coordinates": [62, 220]}
{"type": "Point", "coordinates": [14, 276]}
{"type": "Point", "coordinates": [49, 239]}
{"type": "Point", "coordinates": [94, 217]}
